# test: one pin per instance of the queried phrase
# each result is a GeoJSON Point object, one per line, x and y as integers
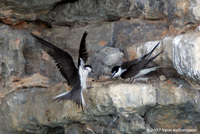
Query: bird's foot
{"type": "Point", "coordinates": [130, 80]}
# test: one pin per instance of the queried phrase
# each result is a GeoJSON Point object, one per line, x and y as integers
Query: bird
{"type": "Point", "coordinates": [135, 68]}
{"type": "Point", "coordinates": [75, 76]}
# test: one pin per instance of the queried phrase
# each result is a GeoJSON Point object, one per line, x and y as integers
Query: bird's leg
{"type": "Point", "coordinates": [132, 80]}
{"type": "Point", "coordinates": [129, 80]}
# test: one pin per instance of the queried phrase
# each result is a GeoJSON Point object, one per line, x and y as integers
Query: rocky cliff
{"type": "Point", "coordinates": [167, 100]}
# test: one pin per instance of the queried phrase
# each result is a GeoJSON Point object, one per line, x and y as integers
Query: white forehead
{"type": "Point", "coordinates": [118, 72]}
{"type": "Point", "coordinates": [88, 68]}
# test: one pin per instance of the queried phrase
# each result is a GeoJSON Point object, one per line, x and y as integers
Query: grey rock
{"type": "Point", "coordinates": [11, 55]}
{"type": "Point", "coordinates": [103, 61]}
{"type": "Point", "coordinates": [128, 33]}
{"type": "Point", "coordinates": [180, 56]}
{"type": "Point", "coordinates": [179, 92]}
{"type": "Point", "coordinates": [178, 119]}
{"type": "Point", "coordinates": [29, 77]}
{"type": "Point", "coordinates": [60, 12]}
{"type": "Point", "coordinates": [24, 10]}
{"type": "Point", "coordinates": [99, 35]}
{"type": "Point", "coordinates": [195, 10]}
{"type": "Point", "coordinates": [186, 55]}
{"type": "Point", "coordinates": [111, 56]}
{"type": "Point", "coordinates": [135, 97]}
{"type": "Point", "coordinates": [113, 104]}
{"type": "Point", "coordinates": [23, 5]}
{"type": "Point", "coordinates": [74, 13]}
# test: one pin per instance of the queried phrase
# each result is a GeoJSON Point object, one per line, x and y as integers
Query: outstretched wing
{"type": "Point", "coordinates": [63, 60]}
{"type": "Point", "coordinates": [82, 50]}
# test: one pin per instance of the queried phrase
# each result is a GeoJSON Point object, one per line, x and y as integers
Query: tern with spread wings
{"type": "Point", "coordinates": [76, 77]}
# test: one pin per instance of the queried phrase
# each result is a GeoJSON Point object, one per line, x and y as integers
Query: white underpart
{"type": "Point", "coordinates": [145, 71]}
{"type": "Point", "coordinates": [83, 73]}
{"type": "Point", "coordinates": [119, 72]}
{"type": "Point", "coordinates": [63, 94]}
{"type": "Point", "coordinates": [83, 101]}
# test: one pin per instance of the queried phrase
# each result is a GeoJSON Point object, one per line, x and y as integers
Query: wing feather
{"type": "Point", "coordinates": [63, 60]}
{"type": "Point", "coordinates": [127, 64]}
{"type": "Point", "coordinates": [135, 68]}
{"type": "Point", "coordinates": [82, 50]}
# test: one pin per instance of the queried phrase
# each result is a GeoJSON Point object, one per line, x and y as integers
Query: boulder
{"type": "Point", "coordinates": [186, 57]}
{"type": "Point", "coordinates": [103, 61]}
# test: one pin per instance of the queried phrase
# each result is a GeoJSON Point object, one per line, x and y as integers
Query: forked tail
{"type": "Point", "coordinates": [150, 60]}
{"type": "Point", "coordinates": [75, 96]}
{"type": "Point", "coordinates": [147, 56]}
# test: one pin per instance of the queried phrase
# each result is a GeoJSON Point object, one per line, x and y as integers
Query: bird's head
{"type": "Point", "coordinates": [116, 71]}
{"type": "Point", "coordinates": [88, 68]}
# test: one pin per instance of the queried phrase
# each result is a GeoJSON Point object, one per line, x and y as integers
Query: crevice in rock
{"type": "Point", "coordinates": [144, 116]}
{"type": "Point", "coordinates": [63, 2]}
{"type": "Point", "coordinates": [44, 23]}
{"type": "Point", "coordinates": [55, 130]}
{"type": "Point", "coordinates": [25, 24]}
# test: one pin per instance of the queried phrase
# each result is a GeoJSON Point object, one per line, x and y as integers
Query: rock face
{"type": "Point", "coordinates": [105, 59]}
{"type": "Point", "coordinates": [116, 107]}
{"type": "Point", "coordinates": [186, 55]}
{"type": "Point", "coordinates": [61, 12]}
{"type": "Point", "coordinates": [164, 101]}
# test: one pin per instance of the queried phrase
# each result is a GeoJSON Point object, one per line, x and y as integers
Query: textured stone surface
{"type": "Point", "coordinates": [11, 52]}
{"type": "Point", "coordinates": [61, 12]}
{"type": "Point", "coordinates": [186, 56]}
{"type": "Point", "coordinates": [174, 119]}
{"type": "Point", "coordinates": [116, 30]}
{"type": "Point", "coordinates": [13, 12]}
{"type": "Point", "coordinates": [127, 33]}
{"type": "Point", "coordinates": [178, 11]}
{"type": "Point", "coordinates": [180, 53]}
{"type": "Point", "coordinates": [136, 96]}
{"type": "Point", "coordinates": [103, 61]}
{"type": "Point", "coordinates": [165, 59]}
{"type": "Point", "coordinates": [113, 104]}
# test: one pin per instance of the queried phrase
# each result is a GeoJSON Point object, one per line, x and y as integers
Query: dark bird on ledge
{"type": "Point", "coordinates": [135, 68]}
{"type": "Point", "coordinates": [76, 77]}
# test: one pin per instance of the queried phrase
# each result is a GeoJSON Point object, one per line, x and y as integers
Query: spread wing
{"type": "Point", "coordinates": [63, 60]}
{"type": "Point", "coordinates": [82, 50]}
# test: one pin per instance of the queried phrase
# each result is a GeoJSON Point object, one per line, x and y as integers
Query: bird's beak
{"type": "Point", "coordinates": [92, 71]}
{"type": "Point", "coordinates": [112, 75]}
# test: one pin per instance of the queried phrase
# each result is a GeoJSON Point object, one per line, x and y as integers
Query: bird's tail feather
{"type": "Point", "coordinates": [76, 97]}
{"type": "Point", "coordinates": [146, 71]}
{"type": "Point", "coordinates": [149, 54]}
{"type": "Point", "coordinates": [153, 68]}
{"type": "Point", "coordinates": [150, 60]}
